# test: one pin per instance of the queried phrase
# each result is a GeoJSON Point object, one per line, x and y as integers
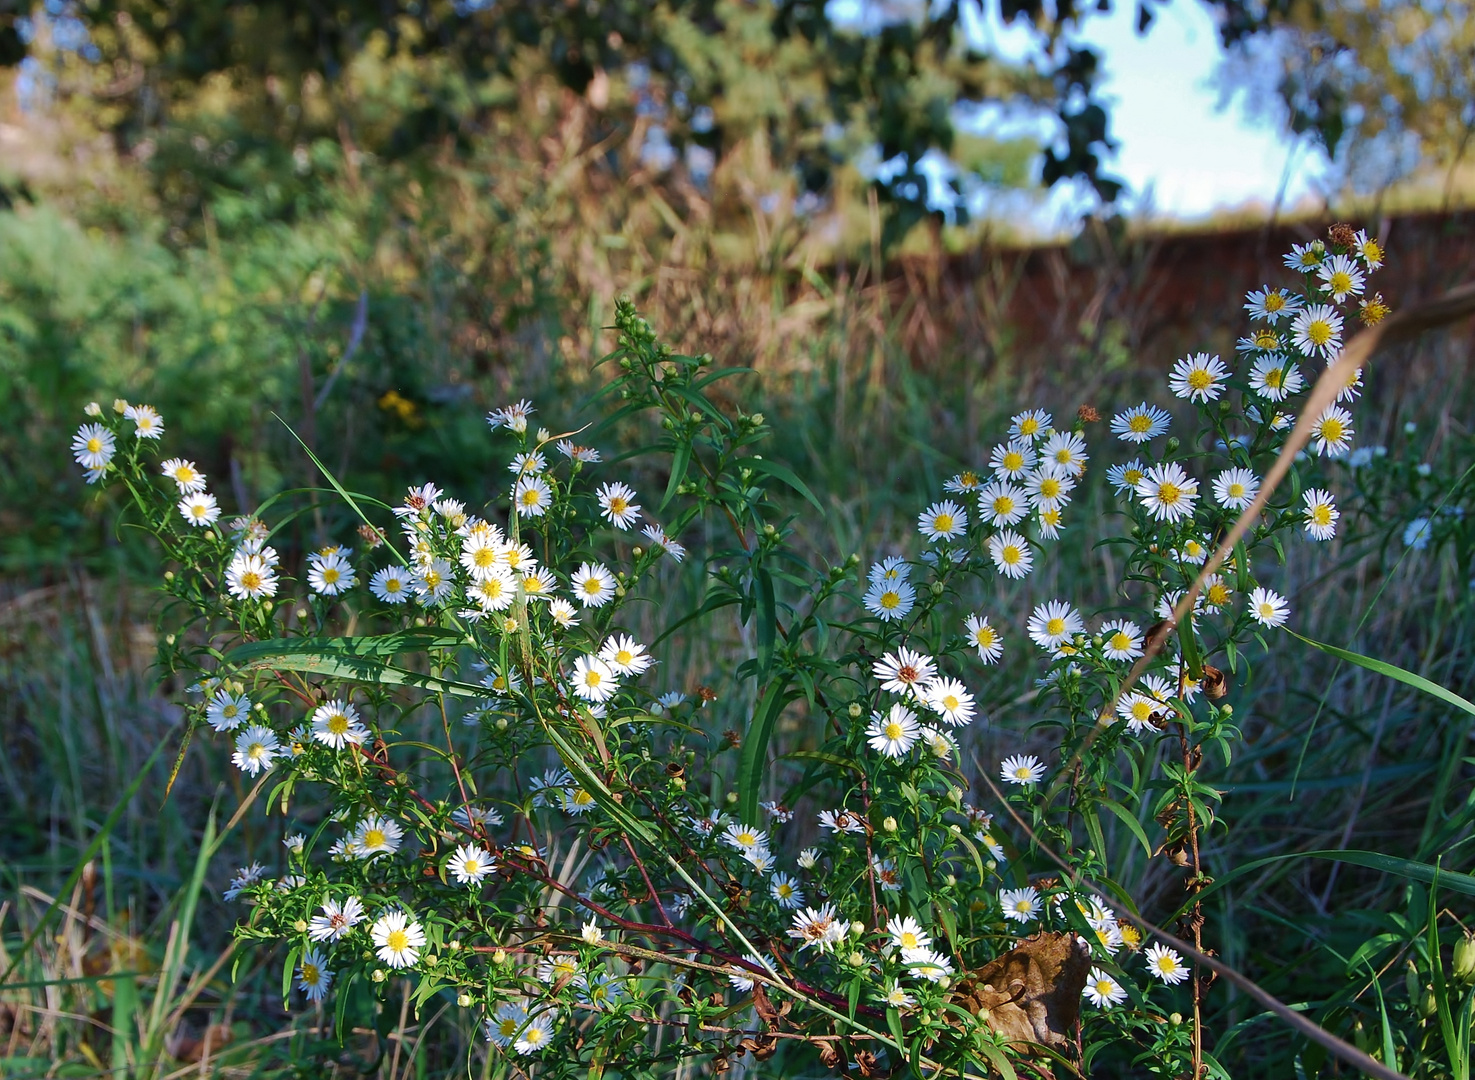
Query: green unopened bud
{"type": "Point", "coordinates": [757, 419]}
{"type": "Point", "coordinates": [889, 825]}
{"type": "Point", "coordinates": [731, 797]}
{"type": "Point", "coordinates": [168, 575]}
{"type": "Point", "coordinates": [499, 957]}
{"type": "Point", "coordinates": [1175, 1019]}
{"type": "Point", "coordinates": [856, 958]}
{"type": "Point", "coordinates": [120, 406]}
{"type": "Point", "coordinates": [1411, 981]}
{"type": "Point", "coordinates": [1464, 961]}
{"type": "Point", "coordinates": [463, 1000]}
{"type": "Point", "coordinates": [169, 639]}
{"type": "Point", "coordinates": [855, 710]}
{"type": "Point", "coordinates": [1172, 445]}
{"type": "Point", "coordinates": [769, 530]}
{"type": "Point", "coordinates": [454, 946]}
{"type": "Point", "coordinates": [1428, 1005]}
{"type": "Point", "coordinates": [944, 982]}
{"type": "Point", "coordinates": [937, 588]}
{"type": "Point", "coordinates": [93, 409]}
{"type": "Point", "coordinates": [857, 928]}
{"type": "Point", "coordinates": [209, 534]}
{"type": "Point", "coordinates": [420, 620]}
{"type": "Point", "coordinates": [267, 606]}
{"type": "Point", "coordinates": [950, 880]}
{"type": "Point", "coordinates": [302, 613]}
{"type": "Point", "coordinates": [503, 723]}
{"type": "Point", "coordinates": [300, 926]}
{"type": "Point", "coordinates": [853, 560]}
{"type": "Point", "coordinates": [696, 417]}
{"type": "Point", "coordinates": [637, 551]}
{"type": "Point", "coordinates": [379, 975]}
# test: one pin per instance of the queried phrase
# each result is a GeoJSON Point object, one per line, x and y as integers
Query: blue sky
{"type": "Point", "coordinates": [1176, 142]}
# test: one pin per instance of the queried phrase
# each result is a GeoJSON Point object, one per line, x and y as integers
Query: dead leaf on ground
{"type": "Point", "coordinates": [1032, 993]}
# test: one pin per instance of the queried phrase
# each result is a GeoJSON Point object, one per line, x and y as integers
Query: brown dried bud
{"type": "Point", "coordinates": [1087, 414]}
{"type": "Point", "coordinates": [1342, 234]}
{"type": "Point", "coordinates": [706, 694]}
{"type": "Point", "coordinates": [1215, 685]}
{"type": "Point", "coordinates": [674, 770]}
{"type": "Point", "coordinates": [831, 1056]}
{"type": "Point", "coordinates": [371, 536]}
{"type": "Point", "coordinates": [733, 738]}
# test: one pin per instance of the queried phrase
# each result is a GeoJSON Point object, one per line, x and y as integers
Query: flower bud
{"type": "Point", "coordinates": [300, 926]}
{"type": "Point", "coordinates": [379, 975]}
{"type": "Point", "coordinates": [855, 710]}
{"type": "Point", "coordinates": [267, 606]}
{"type": "Point", "coordinates": [169, 639]}
{"type": "Point", "coordinates": [499, 957]}
{"type": "Point", "coordinates": [857, 928]}
{"type": "Point", "coordinates": [463, 1000]}
{"type": "Point", "coordinates": [1172, 445]}
{"type": "Point", "coordinates": [731, 797]}
{"type": "Point", "coordinates": [93, 409]}
{"type": "Point", "coordinates": [856, 958]}
{"type": "Point", "coordinates": [756, 419]}
{"type": "Point", "coordinates": [1175, 1019]}
{"type": "Point", "coordinates": [950, 880]}
{"type": "Point", "coordinates": [944, 982]}
{"type": "Point", "coordinates": [168, 575]}
{"type": "Point", "coordinates": [1464, 960]}
{"type": "Point", "coordinates": [209, 534]}
{"type": "Point", "coordinates": [119, 406]}
{"type": "Point", "coordinates": [302, 613]}
{"type": "Point", "coordinates": [454, 946]}
{"type": "Point", "coordinates": [637, 551]}
{"type": "Point", "coordinates": [1428, 1006]}
{"type": "Point", "coordinates": [889, 825]}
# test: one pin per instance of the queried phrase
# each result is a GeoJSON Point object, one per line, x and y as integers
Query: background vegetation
{"type": "Point", "coordinates": [353, 233]}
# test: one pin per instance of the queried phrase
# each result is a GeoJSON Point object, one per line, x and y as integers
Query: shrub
{"type": "Point", "coordinates": [641, 902]}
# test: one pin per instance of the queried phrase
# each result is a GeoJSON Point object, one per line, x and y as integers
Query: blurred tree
{"type": "Point", "coordinates": [1385, 87]}
{"type": "Point", "coordinates": [818, 82]}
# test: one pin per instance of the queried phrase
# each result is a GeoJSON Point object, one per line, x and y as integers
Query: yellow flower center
{"type": "Point", "coordinates": [1236, 491]}
{"type": "Point", "coordinates": [943, 523]}
{"type": "Point", "coordinates": [891, 600]}
{"type": "Point", "coordinates": [470, 867]}
{"type": "Point", "coordinates": [533, 1036]}
{"type": "Point", "coordinates": [1029, 426]}
{"type": "Point", "coordinates": [592, 678]}
{"type": "Point", "coordinates": [908, 940]}
{"type": "Point", "coordinates": [1168, 493]}
{"type": "Point", "coordinates": [1372, 251]}
{"type": "Point", "coordinates": [1331, 430]}
{"type": "Point", "coordinates": [1120, 641]}
{"type": "Point", "coordinates": [1274, 301]}
{"type": "Point", "coordinates": [531, 497]}
{"type": "Point", "coordinates": [483, 557]}
{"type": "Point", "coordinates": [968, 480]}
{"type": "Point", "coordinates": [1003, 505]}
{"type": "Point", "coordinates": [624, 656]}
{"type": "Point", "coordinates": [592, 586]}
{"type": "Point", "coordinates": [1340, 283]}
{"type": "Point", "coordinates": [1013, 461]}
{"type": "Point", "coordinates": [397, 941]}
{"type": "Point", "coordinates": [984, 636]}
{"type": "Point", "coordinates": [375, 838]}
{"type": "Point", "coordinates": [1010, 554]}
{"type": "Point", "coordinates": [1063, 456]}
{"type": "Point", "coordinates": [1050, 487]}
{"type": "Point", "coordinates": [250, 581]}
{"type": "Point", "coordinates": [1132, 476]}
{"type": "Point", "coordinates": [310, 974]}
{"type": "Point", "coordinates": [1275, 377]}
{"type": "Point", "coordinates": [617, 505]}
{"type": "Point", "coordinates": [1321, 514]}
{"type": "Point", "coordinates": [337, 724]}
{"type": "Point", "coordinates": [330, 575]}
{"type": "Point", "coordinates": [184, 474]}
{"type": "Point", "coordinates": [893, 731]}
{"type": "Point", "coordinates": [1319, 332]}
{"type": "Point", "coordinates": [1055, 627]}
{"type": "Point", "coordinates": [432, 579]}
{"type": "Point", "coordinates": [1199, 379]}
{"type": "Point", "coordinates": [94, 444]}
{"type": "Point", "coordinates": [1141, 711]}
{"type": "Point", "coordinates": [1267, 339]}
{"type": "Point", "coordinates": [392, 585]}
{"type": "Point", "coordinates": [1140, 423]}
{"type": "Point", "coordinates": [230, 712]}
{"type": "Point", "coordinates": [1218, 595]}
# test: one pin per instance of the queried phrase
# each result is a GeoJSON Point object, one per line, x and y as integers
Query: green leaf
{"type": "Point", "coordinates": [1189, 642]}
{"type": "Point", "coordinates": [680, 460]}
{"type": "Point", "coordinates": [383, 645]}
{"type": "Point", "coordinates": [312, 659]}
{"type": "Point", "coordinates": [784, 474]}
{"type": "Point", "coordinates": [1133, 825]}
{"type": "Point", "coordinates": [1382, 667]}
{"type": "Point", "coordinates": [827, 758]}
{"type": "Point", "coordinates": [767, 620]}
{"type": "Point", "coordinates": [287, 967]}
{"type": "Point", "coordinates": [755, 746]}
{"type": "Point", "coordinates": [1373, 860]}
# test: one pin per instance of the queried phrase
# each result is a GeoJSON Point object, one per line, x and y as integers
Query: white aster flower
{"type": "Point", "coordinates": [1268, 608]}
{"type": "Point", "coordinates": [336, 920]}
{"type": "Point", "coordinates": [329, 572]}
{"type": "Point", "coordinates": [1123, 478]}
{"type": "Point", "coordinates": [617, 505]}
{"type": "Point", "coordinates": [593, 585]}
{"type": "Point", "coordinates": [819, 927]}
{"type": "Point", "coordinates": [1121, 640]}
{"type": "Point", "coordinates": [964, 483]}
{"type": "Point", "coordinates": [927, 964]}
{"type": "Point", "coordinates": [1269, 304]}
{"type": "Point", "coordinates": [392, 585]}
{"type": "Point", "coordinates": [1320, 514]}
{"type": "Point", "coordinates": [376, 836]}
{"type": "Point", "coordinates": [1199, 377]}
{"type": "Point", "coordinates": [1235, 489]}
{"type": "Point", "coordinates": [227, 711]}
{"type": "Point", "coordinates": [1165, 964]}
{"type": "Point", "coordinates": [1021, 769]}
{"type": "Point", "coordinates": [1020, 905]}
{"type": "Point", "coordinates": [563, 613]}
{"type": "Point", "coordinates": [398, 939]}
{"type": "Point", "coordinates": [1010, 553]}
{"type": "Point", "coordinates": [895, 733]}
{"type": "Point", "coordinates": [1341, 277]}
{"type": "Point", "coordinates": [1030, 424]}
{"type": "Point", "coordinates": [1333, 431]}
{"type": "Point", "coordinates": [943, 521]}
{"type": "Point", "coordinates": [593, 680]}
{"type": "Point", "coordinates": [951, 700]}
{"type": "Point", "coordinates": [313, 976]}
{"type": "Point", "coordinates": [1317, 331]}
{"type": "Point", "coordinates": [1049, 487]}
{"type": "Point", "coordinates": [1053, 624]}
{"type": "Point", "coordinates": [1306, 257]}
{"type": "Point", "coordinates": [1417, 534]}
{"type": "Point", "coordinates": [1102, 990]}
{"type": "Point", "coordinates": [256, 748]}
{"type": "Point", "coordinates": [147, 423]}
{"type": "Point", "coordinates": [531, 496]}
{"type": "Point", "coordinates": [744, 837]}
{"type": "Point", "coordinates": [786, 892]}
{"type": "Point", "coordinates": [336, 724]}
{"type": "Point", "coordinates": [185, 475]}
{"type": "Point", "coordinates": [625, 655]}
{"type": "Point", "coordinates": [1011, 461]}
{"type": "Point", "coordinates": [434, 582]}
{"type": "Point", "coordinates": [1168, 492]}
{"type": "Point", "coordinates": [907, 933]}
{"type": "Point", "coordinates": [889, 601]}
{"type": "Point", "coordinates": [1276, 377]}
{"type": "Point", "coordinates": [904, 672]}
{"type": "Point", "coordinates": [199, 509]}
{"type": "Point", "coordinates": [1065, 452]}
{"type": "Point", "coordinates": [1140, 424]}
{"type": "Point", "coordinates": [93, 446]}
{"type": "Point", "coordinates": [1001, 503]}
{"type": "Point", "coordinates": [985, 638]}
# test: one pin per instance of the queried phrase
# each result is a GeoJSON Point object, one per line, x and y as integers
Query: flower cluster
{"type": "Point", "coordinates": [581, 860]}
